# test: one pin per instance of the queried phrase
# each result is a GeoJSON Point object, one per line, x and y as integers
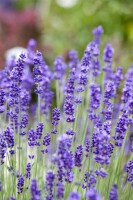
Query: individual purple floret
{"type": "Point", "coordinates": [78, 156]}
{"type": "Point", "coordinates": [35, 191]}
{"type": "Point", "coordinates": [55, 116]}
{"type": "Point", "coordinates": [49, 185]}
{"type": "Point", "coordinates": [60, 190]}
{"type": "Point", "coordinates": [28, 170]}
{"type": "Point", "coordinates": [74, 196]}
{"type": "Point", "coordinates": [20, 184]}
{"type": "Point", "coordinates": [92, 194]}
{"type": "Point", "coordinates": [113, 193]}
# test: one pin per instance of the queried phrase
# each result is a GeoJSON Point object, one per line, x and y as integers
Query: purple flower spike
{"type": "Point", "coordinates": [59, 68]}
{"type": "Point", "coordinates": [78, 156]}
{"type": "Point", "coordinates": [113, 193]}
{"type": "Point", "coordinates": [97, 32]}
{"type": "Point", "coordinates": [34, 190]}
{"type": "Point", "coordinates": [28, 169]}
{"type": "Point", "coordinates": [108, 53]}
{"type": "Point", "coordinates": [60, 190]}
{"type": "Point", "coordinates": [49, 185]}
{"type": "Point", "coordinates": [39, 130]}
{"type": "Point", "coordinates": [46, 140]}
{"type": "Point", "coordinates": [55, 116]}
{"type": "Point", "coordinates": [20, 185]}
{"type": "Point", "coordinates": [74, 196]}
{"type": "Point", "coordinates": [92, 194]}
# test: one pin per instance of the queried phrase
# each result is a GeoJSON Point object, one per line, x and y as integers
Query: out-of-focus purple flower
{"type": "Point", "coordinates": [2, 149]}
{"type": "Point", "coordinates": [74, 196]}
{"type": "Point", "coordinates": [129, 170]}
{"type": "Point", "coordinates": [46, 140]}
{"type": "Point", "coordinates": [78, 156]}
{"type": "Point", "coordinates": [73, 62]}
{"type": "Point", "coordinates": [55, 116]}
{"type": "Point", "coordinates": [32, 45]}
{"type": "Point", "coordinates": [65, 159]}
{"type": "Point", "coordinates": [92, 194]}
{"type": "Point", "coordinates": [95, 94]}
{"type": "Point", "coordinates": [32, 138]}
{"type": "Point", "coordinates": [102, 148]}
{"type": "Point", "coordinates": [108, 53]}
{"type": "Point", "coordinates": [97, 32]}
{"type": "Point", "coordinates": [28, 170]}
{"type": "Point", "coordinates": [49, 185]}
{"type": "Point", "coordinates": [34, 190]}
{"type": "Point", "coordinates": [121, 128]}
{"type": "Point", "coordinates": [113, 193]}
{"type": "Point", "coordinates": [9, 137]}
{"type": "Point", "coordinates": [59, 68]}
{"type": "Point", "coordinates": [20, 184]}
{"type": "Point", "coordinates": [69, 111]}
{"type": "Point", "coordinates": [118, 77]}
{"type": "Point", "coordinates": [110, 90]}
{"type": "Point", "coordinates": [2, 99]}
{"type": "Point", "coordinates": [17, 72]}
{"type": "Point", "coordinates": [101, 173]}
{"type": "Point", "coordinates": [60, 190]}
{"type": "Point", "coordinates": [39, 130]}
{"type": "Point", "coordinates": [12, 198]}
{"type": "Point", "coordinates": [70, 132]}
{"type": "Point", "coordinates": [24, 121]}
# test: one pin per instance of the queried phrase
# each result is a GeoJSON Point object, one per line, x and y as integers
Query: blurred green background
{"type": "Point", "coordinates": [67, 24]}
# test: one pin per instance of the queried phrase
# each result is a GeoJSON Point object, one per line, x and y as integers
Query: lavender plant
{"type": "Point", "coordinates": [81, 148]}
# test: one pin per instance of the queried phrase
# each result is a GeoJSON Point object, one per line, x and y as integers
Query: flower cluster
{"type": "Point", "coordinates": [78, 141]}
